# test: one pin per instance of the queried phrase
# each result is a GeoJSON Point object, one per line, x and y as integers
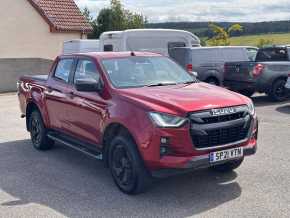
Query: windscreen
{"type": "Point", "coordinates": [145, 71]}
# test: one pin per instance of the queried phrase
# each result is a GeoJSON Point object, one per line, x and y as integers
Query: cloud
{"type": "Point", "coordinates": [201, 10]}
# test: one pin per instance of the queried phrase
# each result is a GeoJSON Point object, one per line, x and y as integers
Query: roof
{"type": "Point", "coordinates": [109, 55]}
{"type": "Point", "coordinates": [149, 32]}
{"type": "Point", "coordinates": [62, 15]}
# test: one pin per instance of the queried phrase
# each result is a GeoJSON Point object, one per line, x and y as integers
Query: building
{"type": "Point", "coordinates": [32, 33]}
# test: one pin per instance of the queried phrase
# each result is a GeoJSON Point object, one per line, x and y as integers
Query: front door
{"type": "Point", "coordinates": [88, 108]}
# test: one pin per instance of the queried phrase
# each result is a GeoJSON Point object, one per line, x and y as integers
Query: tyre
{"type": "Point", "coordinates": [127, 167]}
{"type": "Point", "coordinates": [278, 91]}
{"type": "Point", "coordinates": [38, 132]}
{"type": "Point", "coordinates": [229, 166]}
{"type": "Point", "coordinates": [212, 81]}
{"type": "Point", "coordinates": [248, 93]}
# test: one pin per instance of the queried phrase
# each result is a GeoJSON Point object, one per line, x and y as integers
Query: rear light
{"type": "Point", "coordinates": [258, 69]}
{"type": "Point", "coordinates": [189, 68]}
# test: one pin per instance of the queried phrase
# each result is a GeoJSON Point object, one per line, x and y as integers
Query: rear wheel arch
{"type": "Point", "coordinates": [31, 106]}
{"type": "Point", "coordinates": [279, 78]}
{"type": "Point", "coordinates": [276, 82]}
{"type": "Point", "coordinates": [111, 131]}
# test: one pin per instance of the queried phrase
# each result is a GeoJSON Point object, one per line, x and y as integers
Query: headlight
{"type": "Point", "coordinates": [167, 120]}
{"type": "Point", "coordinates": [251, 108]}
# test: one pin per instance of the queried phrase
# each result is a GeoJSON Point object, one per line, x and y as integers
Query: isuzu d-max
{"type": "Point", "coordinates": [139, 112]}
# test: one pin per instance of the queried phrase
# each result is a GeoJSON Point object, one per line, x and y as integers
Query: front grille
{"type": "Point", "coordinates": [208, 130]}
{"type": "Point", "coordinates": [220, 136]}
{"type": "Point", "coordinates": [224, 118]}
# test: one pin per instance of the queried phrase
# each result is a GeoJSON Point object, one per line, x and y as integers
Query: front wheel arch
{"type": "Point", "coordinates": [111, 131]}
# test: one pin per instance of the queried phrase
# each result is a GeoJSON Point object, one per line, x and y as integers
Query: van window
{"type": "Point", "coordinates": [234, 54]}
{"type": "Point", "coordinates": [108, 48]}
{"type": "Point", "coordinates": [172, 45]}
{"type": "Point", "coordinates": [63, 69]}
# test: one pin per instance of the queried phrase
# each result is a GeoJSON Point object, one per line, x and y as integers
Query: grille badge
{"type": "Point", "coordinates": [223, 111]}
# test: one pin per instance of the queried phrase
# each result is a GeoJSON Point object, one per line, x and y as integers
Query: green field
{"type": "Point", "coordinates": [278, 39]}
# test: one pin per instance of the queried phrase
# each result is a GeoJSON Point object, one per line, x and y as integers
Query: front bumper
{"type": "Point", "coordinates": [188, 164]}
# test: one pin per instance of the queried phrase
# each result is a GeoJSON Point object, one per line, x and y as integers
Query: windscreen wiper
{"type": "Point", "coordinates": [161, 84]}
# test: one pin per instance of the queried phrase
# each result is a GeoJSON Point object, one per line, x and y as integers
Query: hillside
{"type": "Point", "coordinates": [201, 28]}
{"type": "Point", "coordinates": [278, 39]}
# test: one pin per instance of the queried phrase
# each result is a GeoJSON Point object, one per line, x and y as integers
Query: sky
{"type": "Point", "coordinates": [201, 10]}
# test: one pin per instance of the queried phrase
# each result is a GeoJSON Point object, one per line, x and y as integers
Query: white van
{"type": "Point", "coordinates": [152, 40]}
{"type": "Point", "coordinates": [81, 46]}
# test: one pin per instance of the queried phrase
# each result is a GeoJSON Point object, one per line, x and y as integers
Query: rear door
{"type": "Point", "coordinates": [238, 66]}
{"type": "Point", "coordinates": [57, 98]}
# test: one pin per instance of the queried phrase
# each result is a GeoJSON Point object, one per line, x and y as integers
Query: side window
{"type": "Point", "coordinates": [108, 48]}
{"type": "Point", "coordinates": [63, 69]}
{"type": "Point", "coordinates": [172, 45]}
{"type": "Point", "coordinates": [86, 69]}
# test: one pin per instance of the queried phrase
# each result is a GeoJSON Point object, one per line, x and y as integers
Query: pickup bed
{"type": "Point", "coordinates": [141, 113]}
{"type": "Point", "coordinates": [267, 74]}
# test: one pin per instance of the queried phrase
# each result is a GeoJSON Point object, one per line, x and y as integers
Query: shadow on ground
{"type": "Point", "coordinates": [284, 109]}
{"type": "Point", "coordinates": [264, 100]}
{"type": "Point", "coordinates": [77, 186]}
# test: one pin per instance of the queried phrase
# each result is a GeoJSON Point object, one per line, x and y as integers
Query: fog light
{"type": "Point", "coordinates": [163, 150]}
{"type": "Point", "coordinates": [164, 140]}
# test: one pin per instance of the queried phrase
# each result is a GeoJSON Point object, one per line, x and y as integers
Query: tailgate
{"type": "Point", "coordinates": [238, 71]}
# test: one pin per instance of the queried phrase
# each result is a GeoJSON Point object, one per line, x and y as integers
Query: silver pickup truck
{"type": "Point", "coordinates": [267, 74]}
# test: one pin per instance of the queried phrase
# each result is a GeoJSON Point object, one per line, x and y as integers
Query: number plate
{"type": "Point", "coordinates": [226, 155]}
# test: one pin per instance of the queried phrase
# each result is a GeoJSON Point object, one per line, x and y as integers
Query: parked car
{"type": "Point", "coordinates": [267, 74]}
{"type": "Point", "coordinates": [81, 46]}
{"type": "Point", "coordinates": [209, 62]}
{"type": "Point", "coordinates": [141, 113]}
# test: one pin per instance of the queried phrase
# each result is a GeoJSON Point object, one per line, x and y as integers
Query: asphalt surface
{"type": "Point", "coordinates": [65, 183]}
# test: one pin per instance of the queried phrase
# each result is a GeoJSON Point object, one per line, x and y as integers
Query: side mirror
{"type": "Point", "coordinates": [87, 85]}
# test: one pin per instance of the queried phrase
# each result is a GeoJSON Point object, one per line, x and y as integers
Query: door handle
{"type": "Point", "coordinates": [50, 89]}
{"type": "Point", "coordinates": [71, 94]}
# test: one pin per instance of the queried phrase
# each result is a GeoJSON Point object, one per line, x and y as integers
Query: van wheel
{"type": "Point", "coordinates": [229, 166]}
{"type": "Point", "coordinates": [126, 166]}
{"type": "Point", "coordinates": [248, 93]}
{"type": "Point", "coordinates": [278, 91]}
{"type": "Point", "coordinates": [38, 132]}
{"type": "Point", "coordinates": [212, 81]}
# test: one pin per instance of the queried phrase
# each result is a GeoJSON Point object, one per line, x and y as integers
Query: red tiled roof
{"type": "Point", "coordinates": [62, 15]}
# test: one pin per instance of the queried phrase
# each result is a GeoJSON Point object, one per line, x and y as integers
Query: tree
{"type": "Point", "coordinates": [264, 42]}
{"type": "Point", "coordinates": [87, 14]}
{"type": "Point", "coordinates": [222, 35]}
{"type": "Point", "coordinates": [117, 18]}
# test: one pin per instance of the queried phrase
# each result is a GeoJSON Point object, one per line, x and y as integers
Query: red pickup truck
{"type": "Point", "coordinates": [141, 113]}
